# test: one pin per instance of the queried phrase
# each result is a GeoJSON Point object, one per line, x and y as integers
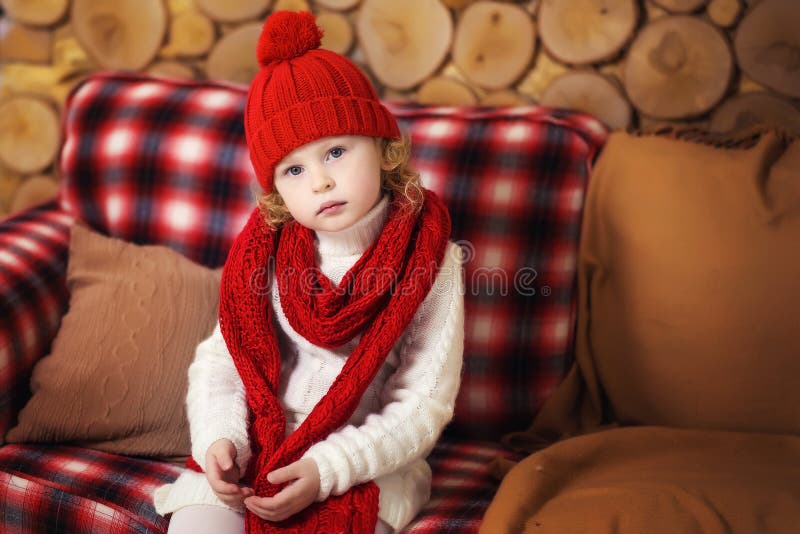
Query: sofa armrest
{"type": "Point", "coordinates": [33, 296]}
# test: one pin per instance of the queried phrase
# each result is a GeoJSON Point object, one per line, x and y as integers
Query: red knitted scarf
{"type": "Point", "coordinates": [410, 249]}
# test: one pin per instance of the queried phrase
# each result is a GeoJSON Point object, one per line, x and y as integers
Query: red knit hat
{"type": "Point", "coordinates": [303, 93]}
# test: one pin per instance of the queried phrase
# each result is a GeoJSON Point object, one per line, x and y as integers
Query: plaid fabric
{"type": "Point", "coordinates": [61, 489]}
{"type": "Point", "coordinates": [74, 490]}
{"type": "Point", "coordinates": [33, 297]}
{"type": "Point", "coordinates": [462, 487]}
{"type": "Point", "coordinates": [514, 181]}
{"type": "Point", "coordinates": [158, 162]}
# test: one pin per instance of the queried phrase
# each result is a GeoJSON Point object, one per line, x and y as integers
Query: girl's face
{"type": "Point", "coordinates": [331, 183]}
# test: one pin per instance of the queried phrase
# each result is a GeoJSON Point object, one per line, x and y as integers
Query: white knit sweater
{"type": "Point", "coordinates": [398, 420]}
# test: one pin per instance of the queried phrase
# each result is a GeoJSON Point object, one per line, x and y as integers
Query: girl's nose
{"type": "Point", "coordinates": [322, 182]}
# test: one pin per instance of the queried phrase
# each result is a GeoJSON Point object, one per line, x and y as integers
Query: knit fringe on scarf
{"type": "Point", "coordinates": [410, 249]}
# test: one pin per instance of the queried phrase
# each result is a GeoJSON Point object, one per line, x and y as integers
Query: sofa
{"type": "Point", "coordinates": [156, 162]}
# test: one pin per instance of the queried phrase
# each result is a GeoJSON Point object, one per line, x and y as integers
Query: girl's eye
{"type": "Point", "coordinates": [336, 152]}
{"type": "Point", "coordinates": [294, 170]}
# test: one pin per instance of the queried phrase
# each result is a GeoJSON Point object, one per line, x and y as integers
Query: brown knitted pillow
{"type": "Point", "coordinates": [116, 377]}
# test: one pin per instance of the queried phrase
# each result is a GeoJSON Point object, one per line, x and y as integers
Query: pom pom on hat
{"type": "Point", "coordinates": [286, 35]}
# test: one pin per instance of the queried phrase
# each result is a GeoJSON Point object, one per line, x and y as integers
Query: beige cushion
{"type": "Point", "coordinates": [116, 376]}
{"type": "Point", "coordinates": [689, 284]}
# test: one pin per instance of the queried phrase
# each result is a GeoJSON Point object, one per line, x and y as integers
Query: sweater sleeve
{"type": "Point", "coordinates": [216, 405]}
{"type": "Point", "coordinates": [418, 398]}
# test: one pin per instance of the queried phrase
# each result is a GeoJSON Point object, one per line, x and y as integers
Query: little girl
{"type": "Point", "coordinates": [336, 360]}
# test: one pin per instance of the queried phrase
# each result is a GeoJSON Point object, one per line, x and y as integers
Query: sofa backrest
{"type": "Point", "coordinates": [151, 161]}
{"type": "Point", "coordinates": [159, 161]}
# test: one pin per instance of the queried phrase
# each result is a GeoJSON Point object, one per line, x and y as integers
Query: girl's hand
{"type": "Point", "coordinates": [294, 497]}
{"type": "Point", "coordinates": [223, 474]}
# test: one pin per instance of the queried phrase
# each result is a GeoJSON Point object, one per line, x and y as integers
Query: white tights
{"type": "Point", "coordinates": [210, 519]}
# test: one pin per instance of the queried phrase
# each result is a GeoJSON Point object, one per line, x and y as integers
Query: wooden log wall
{"type": "Point", "coordinates": [636, 64]}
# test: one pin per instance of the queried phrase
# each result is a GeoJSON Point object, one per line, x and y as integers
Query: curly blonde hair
{"type": "Point", "coordinates": [400, 179]}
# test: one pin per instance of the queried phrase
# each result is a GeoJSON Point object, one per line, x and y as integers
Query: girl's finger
{"type": "Point", "coordinates": [286, 495]}
{"type": "Point", "coordinates": [272, 514]}
{"type": "Point", "coordinates": [229, 471]}
{"type": "Point", "coordinates": [233, 503]}
{"type": "Point", "coordinates": [282, 475]}
{"type": "Point", "coordinates": [265, 505]}
{"type": "Point", "coordinates": [223, 488]}
{"type": "Point", "coordinates": [224, 463]}
{"type": "Point", "coordinates": [279, 517]}
{"type": "Point", "coordinates": [260, 512]}
{"type": "Point", "coordinates": [212, 469]}
{"type": "Point", "coordinates": [275, 507]}
{"type": "Point", "coordinates": [214, 476]}
{"type": "Point", "coordinates": [216, 481]}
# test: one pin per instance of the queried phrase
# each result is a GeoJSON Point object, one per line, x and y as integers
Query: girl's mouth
{"type": "Point", "coordinates": [329, 208]}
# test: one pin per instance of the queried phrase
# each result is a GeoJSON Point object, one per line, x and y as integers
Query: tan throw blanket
{"type": "Point", "coordinates": [653, 480]}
